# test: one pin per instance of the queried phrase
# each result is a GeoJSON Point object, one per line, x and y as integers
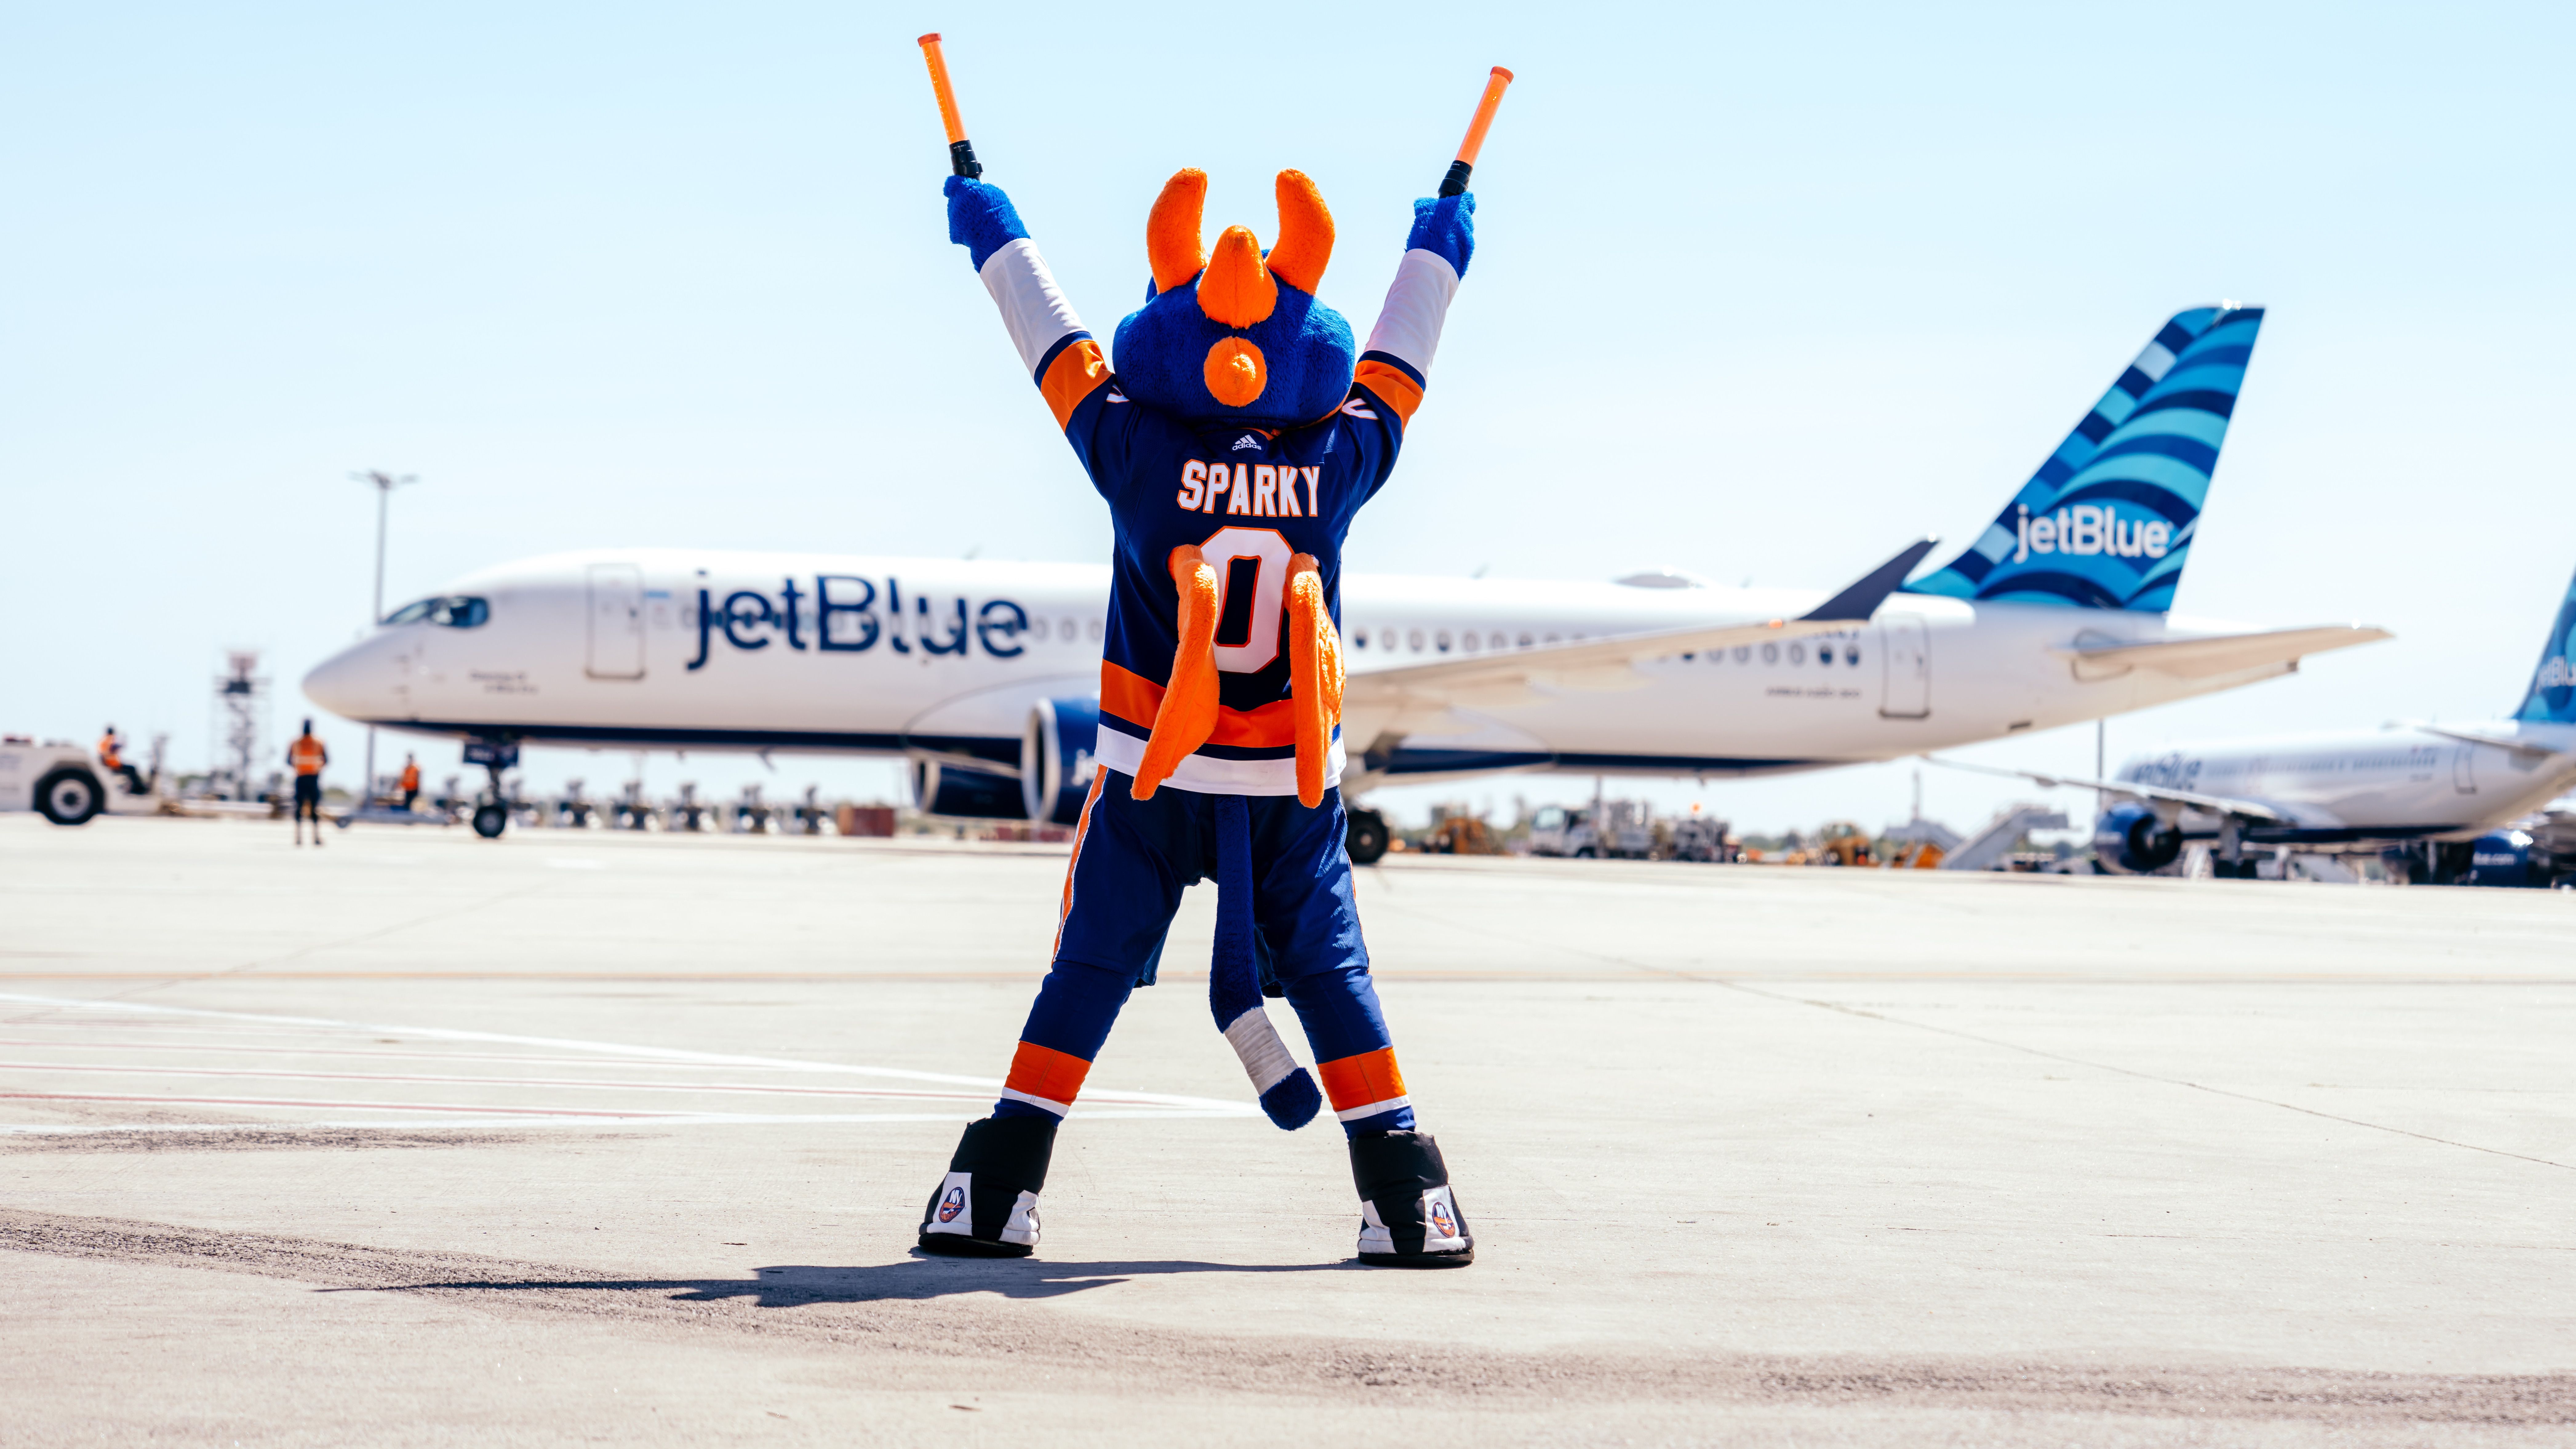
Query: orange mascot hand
{"type": "Point", "coordinates": [1188, 713]}
{"type": "Point", "coordinates": [1314, 676]}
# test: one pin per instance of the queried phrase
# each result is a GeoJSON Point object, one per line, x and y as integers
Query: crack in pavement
{"type": "Point", "coordinates": [906, 1311]}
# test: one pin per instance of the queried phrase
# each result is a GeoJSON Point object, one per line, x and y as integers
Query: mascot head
{"type": "Point", "coordinates": [1237, 337]}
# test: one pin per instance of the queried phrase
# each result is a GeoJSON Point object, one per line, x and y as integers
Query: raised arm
{"type": "Point", "coordinates": [1063, 359]}
{"type": "Point", "coordinates": [1396, 365]}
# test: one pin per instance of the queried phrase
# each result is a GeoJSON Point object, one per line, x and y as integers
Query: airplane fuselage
{"type": "Point", "coordinates": [2363, 787]}
{"type": "Point", "coordinates": [703, 649]}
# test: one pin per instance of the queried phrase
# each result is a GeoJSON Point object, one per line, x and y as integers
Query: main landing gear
{"type": "Point", "coordinates": [1368, 836]}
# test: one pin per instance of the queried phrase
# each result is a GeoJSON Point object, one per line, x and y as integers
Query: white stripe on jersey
{"type": "Point", "coordinates": [1033, 306]}
{"type": "Point", "coordinates": [1207, 775]}
{"type": "Point", "coordinates": [1416, 305]}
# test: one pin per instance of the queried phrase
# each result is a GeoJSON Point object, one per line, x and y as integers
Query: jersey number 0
{"type": "Point", "coordinates": [1222, 548]}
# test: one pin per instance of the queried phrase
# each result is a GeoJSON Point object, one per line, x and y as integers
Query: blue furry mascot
{"type": "Point", "coordinates": [1235, 442]}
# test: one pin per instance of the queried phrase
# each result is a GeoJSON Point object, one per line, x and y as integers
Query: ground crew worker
{"type": "Point", "coordinates": [111, 756]}
{"type": "Point", "coordinates": [308, 757]}
{"type": "Point", "coordinates": [410, 781]}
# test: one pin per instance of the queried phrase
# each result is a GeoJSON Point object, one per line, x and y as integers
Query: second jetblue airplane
{"type": "Point", "coordinates": [986, 675]}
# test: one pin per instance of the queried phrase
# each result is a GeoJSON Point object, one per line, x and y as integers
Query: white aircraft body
{"type": "Point", "coordinates": [986, 674]}
{"type": "Point", "coordinates": [2403, 790]}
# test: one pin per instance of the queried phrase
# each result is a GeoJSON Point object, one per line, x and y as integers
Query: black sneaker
{"type": "Point", "coordinates": [987, 1205]}
{"type": "Point", "coordinates": [1409, 1218]}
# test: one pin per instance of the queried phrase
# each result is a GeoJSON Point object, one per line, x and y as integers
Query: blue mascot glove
{"type": "Point", "coordinates": [1445, 225]}
{"type": "Point", "coordinates": [982, 220]}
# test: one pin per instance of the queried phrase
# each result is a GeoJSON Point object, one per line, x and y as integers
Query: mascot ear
{"type": "Point", "coordinates": [1305, 243]}
{"type": "Point", "coordinates": [1172, 230]}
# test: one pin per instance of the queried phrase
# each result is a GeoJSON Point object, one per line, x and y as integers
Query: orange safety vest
{"type": "Point", "coordinates": [307, 755]}
{"type": "Point", "coordinates": [411, 777]}
{"type": "Point", "coordinates": [107, 752]}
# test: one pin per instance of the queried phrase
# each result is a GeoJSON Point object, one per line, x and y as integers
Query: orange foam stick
{"type": "Point", "coordinates": [961, 152]}
{"type": "Point", "coordinates": [1485, 108]}
{"type": "Point", "coordinates": [1456, 181]}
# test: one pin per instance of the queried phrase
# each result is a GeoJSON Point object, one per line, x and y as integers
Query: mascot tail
{"type": "Point", "coordinates": [1287, 1091]}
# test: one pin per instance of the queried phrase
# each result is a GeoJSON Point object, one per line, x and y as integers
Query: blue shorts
{"type": "Point", "coordinates": [1133, 858]}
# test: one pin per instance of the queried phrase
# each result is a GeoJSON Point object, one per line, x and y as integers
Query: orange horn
{"type": "Point", "coordinates": [1172, 229]}
{"type": "Point", "coordinates": [1236, 289]}
{"type": "Point", "coordinates": [1305, 243]}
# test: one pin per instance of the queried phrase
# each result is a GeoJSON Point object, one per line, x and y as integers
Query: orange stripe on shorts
{"type": "Point", "coordinates": [1357, 1081]}
{"type": "Point", "coordinates": [1045, 1072]}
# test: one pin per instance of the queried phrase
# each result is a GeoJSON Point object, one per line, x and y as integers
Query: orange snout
{"type": "Point", "coordinates": [1234, 373]}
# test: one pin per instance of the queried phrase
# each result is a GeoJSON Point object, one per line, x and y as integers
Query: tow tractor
{"type": "Point", "coordinates": [62, 782]}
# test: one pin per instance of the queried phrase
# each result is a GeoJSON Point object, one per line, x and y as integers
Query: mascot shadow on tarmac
{"type": "Point", "coordinates": [1238, 437]}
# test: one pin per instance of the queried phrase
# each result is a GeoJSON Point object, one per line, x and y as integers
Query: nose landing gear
{"type": "Point", "coordinates": [492, 812]}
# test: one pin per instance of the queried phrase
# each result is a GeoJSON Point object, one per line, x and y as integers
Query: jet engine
{"type": "Point", "coordinates": [1055, 760]}
{"type": "Point", "coordinates": [944, 789]}
{"type": "Point", "coordinates": [2130, 840]}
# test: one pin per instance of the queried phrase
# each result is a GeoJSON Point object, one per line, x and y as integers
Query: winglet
{"type": "Point", "coordinates": [1862, 599]}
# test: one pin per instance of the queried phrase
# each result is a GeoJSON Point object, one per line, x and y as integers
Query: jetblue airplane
{"type": "Point", "coordinates": [985, 675]}
{"type": "Point", "coordinates": [2398, 790]}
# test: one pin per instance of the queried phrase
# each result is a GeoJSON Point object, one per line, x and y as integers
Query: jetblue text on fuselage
{"type": "Point", "coordinates": [841, 615]}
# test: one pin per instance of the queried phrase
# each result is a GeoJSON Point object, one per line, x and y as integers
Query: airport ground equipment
{"type": "Point", "coordinates": [64, 782]}
{"type": "Point", "coordinates": [1606, 830]}
{"type": "Point", "coordinates": [1702, 838]}
{"type": "Point", "coordinates": [1988, 848]}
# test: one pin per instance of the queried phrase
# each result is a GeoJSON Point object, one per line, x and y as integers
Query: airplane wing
{"type": "Point", "coordinates": [1610, 664]}
{"type": "Point", "coordinates": [2193, 799]}
{"type": "Point", "coordinates": [2224, 653]}
{"type": "Point", "coordinates": [2532, 748]}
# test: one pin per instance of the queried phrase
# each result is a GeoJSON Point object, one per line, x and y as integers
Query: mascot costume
{"type": "Point", "coordinates": [1239, 435]}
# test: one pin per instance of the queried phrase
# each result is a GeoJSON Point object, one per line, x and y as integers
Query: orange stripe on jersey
{"type": "Point", "coordinates": [1045, 1072]}
{"type": "Point", "coordinates": [1081, 832]}
{"type": "Point", "coordinates": [1358, 1081]}
{"type": "Point", "coordinates": [1390, 386]}
{"type": "Point", "coordinates": [1075, 374]}
{"type": "Point", "coordinates": [1136, 699]}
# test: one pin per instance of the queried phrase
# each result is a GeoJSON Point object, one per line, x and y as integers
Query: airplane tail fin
{"type": "Point", "coordinates": [2107, 521]}
{"type": "Point", "coordinates": [2552, 697]}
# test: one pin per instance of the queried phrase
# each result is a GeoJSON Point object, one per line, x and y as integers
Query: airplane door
{"type": "Point", "coordinates": [616, 621]}
{"type": "Point", "coordinates": [2464, 770]}
{"type": "Point", "coordinates": [1906, 648]}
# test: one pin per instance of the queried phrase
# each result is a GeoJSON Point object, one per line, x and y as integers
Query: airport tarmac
{"type": "Point", "coordinates": [573, 1136]}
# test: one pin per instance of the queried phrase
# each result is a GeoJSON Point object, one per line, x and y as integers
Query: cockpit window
{"type": "Point", "coordinates": [455, 611]}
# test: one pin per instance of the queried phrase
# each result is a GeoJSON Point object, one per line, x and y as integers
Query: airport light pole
{"type": "Point", "coordinates": [384, 483]}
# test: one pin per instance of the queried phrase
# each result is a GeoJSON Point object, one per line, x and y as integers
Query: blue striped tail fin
{"type": "Point", "coordinates": [2552, 697]}
{"type": "Point", "coordinates": [2107, 521]}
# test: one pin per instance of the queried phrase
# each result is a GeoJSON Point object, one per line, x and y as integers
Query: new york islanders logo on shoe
{"type": "Point", "coordinates": [1442, 1222]}
{"type": "Point", "coordinates": [953, 1204]}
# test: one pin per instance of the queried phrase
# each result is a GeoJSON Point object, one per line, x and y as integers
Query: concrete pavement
{"type": "Point", "coordinates": [421, 1138]}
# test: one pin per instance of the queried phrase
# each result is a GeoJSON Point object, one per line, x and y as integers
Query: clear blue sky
{"type": "Point", "coordinates": [1762, 291]}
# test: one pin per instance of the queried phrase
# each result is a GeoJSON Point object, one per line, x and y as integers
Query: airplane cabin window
{"type": "Point", "coordinates": [1551, 639]}
{"type": "Point", "coordinates": [1095, 631]}
{"type": "Point", "coordinates": [1415, 640]}
{"type": "Point", "coordinates": [1851, 655]}
{"type": "Point", "coordinates": [1442, 640]}
{"type": "Point", "coordinates": [1468, 641]}
{"type": "Point", "coordinates": [1359, 638]}
{"type": "Point", "coordinates": [1770, 653]}
{"type": "Point", "coordinates": [1797, 653]}
{"type": "Point", "coordinates": [1038, 627]}
{"type": "Point", "coordinates": [1525, 640]}
{"type": "Point", "coordinates": [1743, 652]}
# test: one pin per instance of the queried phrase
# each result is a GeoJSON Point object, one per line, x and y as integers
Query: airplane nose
{"type": "Point", "coordinates": [352, 683]}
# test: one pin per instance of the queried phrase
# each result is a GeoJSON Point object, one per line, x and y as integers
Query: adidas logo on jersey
{"type": "Point", "coordinates": [1246, 441]}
